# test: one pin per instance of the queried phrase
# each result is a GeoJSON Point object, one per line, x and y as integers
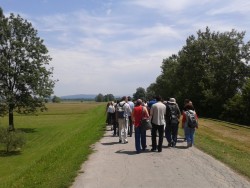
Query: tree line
{"type": "Point", "coordinates": [212, 69]}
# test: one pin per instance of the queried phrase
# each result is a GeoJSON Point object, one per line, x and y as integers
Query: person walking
{"type": "Point", "coordinates": [172, 122]}
{"type": "Point", "coordinates": [130, 123]}
{"type": "Point", "coordinates": [111, 114]}
{"type": "Point", "coordinates": [157, 116]}
{"type": "Point", "coordinates": [189, 123]}
{"type": "Point", "coordinates": [138, 114]}
{"type": "Point", "coordinates": [122, 111]}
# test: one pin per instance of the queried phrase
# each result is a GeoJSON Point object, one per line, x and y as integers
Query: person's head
{"type": "Point", "coordinates": [138, 102]}
{"type": "Point", "coordinates": [129, 98]}
{"type": "Point", "coordinates": [189, 106]}
{"type": "Point", "coordinates": [172, 101]}
{"type": "Point", "coordinates": [158, 98]}
{"type": "Point", "coordinates": [186, 101]}
{"type": "Point", "coordinates": [124, 98]}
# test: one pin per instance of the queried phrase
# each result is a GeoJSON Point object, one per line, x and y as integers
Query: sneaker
{"type": "Point", "coordinates": [126, 141]}
{"type": "Point", "coordinates": [153, 150]}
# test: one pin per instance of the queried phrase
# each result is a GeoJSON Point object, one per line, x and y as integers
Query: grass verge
{"type": "Point", "coordinates": [226, 142]}
{"type": "Point", "coordinates": [58, 142]}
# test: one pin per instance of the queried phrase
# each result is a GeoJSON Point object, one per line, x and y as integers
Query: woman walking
{"type": "Point", "coordinates": [138, 113]}
{"type": "Point", "coordinates": [189, 123]}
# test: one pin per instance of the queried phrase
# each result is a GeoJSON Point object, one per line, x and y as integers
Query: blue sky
{"type": "Point", "coordinates": [116, 46]}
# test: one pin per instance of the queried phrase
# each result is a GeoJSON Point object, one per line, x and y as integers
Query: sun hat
{"type": "Point", "coordinates": [172, 100]}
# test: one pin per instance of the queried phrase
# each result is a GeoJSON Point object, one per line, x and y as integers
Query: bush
{"type": "Point", "coordinates": [11, 140]}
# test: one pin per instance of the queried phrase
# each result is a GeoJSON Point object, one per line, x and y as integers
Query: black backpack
{"type": "Point", "coordinates": [192, 121]}
{"type": "Point", "coordinates": [173, 115]}
{"type": "Point", "coordinates": [120, 110]}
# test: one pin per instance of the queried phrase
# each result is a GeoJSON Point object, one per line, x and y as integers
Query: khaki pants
{"type": "Point", "coordinates": [123, 129]}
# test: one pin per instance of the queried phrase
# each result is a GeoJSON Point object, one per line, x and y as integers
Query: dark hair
{"type": "Point", "coordinates": [123, 98]}
{"type": "Point", "coordinates": [186, 101]}
{"type": "Point", "coordinates": [129, 98]}
{"type": "Point", "coordinates": [158, 98]}
{"type": "Point", "coordinates": [189, 106]}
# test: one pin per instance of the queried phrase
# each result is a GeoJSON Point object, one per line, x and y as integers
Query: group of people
{"type": "Point", "coordinates": [126, 116]}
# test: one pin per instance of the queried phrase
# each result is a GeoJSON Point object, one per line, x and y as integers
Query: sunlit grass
{"type": "Point", "coordinates": [226, 142]}
{"type": "Point", "coordinates": [58, 141]}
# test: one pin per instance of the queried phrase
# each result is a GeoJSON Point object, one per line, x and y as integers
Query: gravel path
{"type": "Point", "coordinates": [116, 165]}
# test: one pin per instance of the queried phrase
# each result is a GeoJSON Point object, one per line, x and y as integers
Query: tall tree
{"type": "Point", "coordinates": [140, 93]}
{"type": "Point", "coordinates": [25, 78]}
{"type": "Point", "coordinates": [213, 67]}
{"type": "Point", "coordinates": [109, 97]}
{"type": "Point", "coordinates": [99, 98]}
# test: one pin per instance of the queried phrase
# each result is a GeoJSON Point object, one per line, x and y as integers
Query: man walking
{"type": "Point", "coordinates": [172, 122]}
{"type": "Point", "coordinates": [130, 123]}
{"type": "Point", "coordinates": [157, 115]}
{"type": "Point", "coordinates": [122, 111]}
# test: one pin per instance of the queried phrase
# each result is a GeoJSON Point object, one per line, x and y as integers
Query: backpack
{"type": "Point", "coordinates": [120, 110]}
{"type": "Point", "coordinates": [173, 115]}
{"type": "Point", "coordinates": [192, 121]}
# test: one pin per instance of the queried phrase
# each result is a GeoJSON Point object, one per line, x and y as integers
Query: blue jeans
{"type": "Point", "coordinates": [140, 139]}
{"type": "Point", "coordinates": [189, 134]}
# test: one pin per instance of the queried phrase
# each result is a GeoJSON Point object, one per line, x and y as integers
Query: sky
{"type": "Point", "coordinates": [117, 46]}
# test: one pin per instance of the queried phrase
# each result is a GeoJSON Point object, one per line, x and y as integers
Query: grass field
{"type": "Point", "coordinates": [58, 141]}
{"type": "Point", "coordinates": [229, 143]}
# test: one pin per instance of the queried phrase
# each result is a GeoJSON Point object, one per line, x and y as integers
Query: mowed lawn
{"type": "Point", "coordinates": [57, 143]}
{"type": "Point", "coordinates": [229, 143]}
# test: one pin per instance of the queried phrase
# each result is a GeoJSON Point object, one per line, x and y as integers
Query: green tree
{"type": "Point", "coordinates": [25, 79]}
{"type": "Point", "coordinates": [237, 108]}
{"type": "Point", "coordinates": [140, 94]}
{"type": "Point", "coordinates": [56, 99]}
{"type": "Point", "coordinates": [151, 91]}
{"type": "Point", "coordinates": [109, 97]}
{"type": "Point", "coordinates": [99, 98]}
{"type": "Point", "coordinates": [212, 68]}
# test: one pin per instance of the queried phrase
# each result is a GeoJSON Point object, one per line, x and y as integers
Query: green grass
{"type": "Point", "coordinates": [229, 143]}
{"type": "Point", "coordinates": [58, 141]}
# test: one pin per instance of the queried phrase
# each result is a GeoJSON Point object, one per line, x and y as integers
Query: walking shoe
{"type": "Point", "coordinates": [189, 144]}
{"type": "Point", "coordinates": [169, 144]}
{"type": "Point", "coordinates": [153, 150]}
{"type": "Point", "coordinates": [174, 144]}
{"type": "Point", "coordinates": [126, 141]}
{"type": "Point", "coordinates": [120, 141]}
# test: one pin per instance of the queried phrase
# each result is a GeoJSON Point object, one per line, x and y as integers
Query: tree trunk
{"type": "Point", "coordinates": [11, 119]}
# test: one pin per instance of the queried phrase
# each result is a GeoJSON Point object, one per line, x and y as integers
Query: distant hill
{"type": "Point", "coordinates": [79, 96]}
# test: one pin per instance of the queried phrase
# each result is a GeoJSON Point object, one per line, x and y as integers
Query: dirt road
{"type": "Point", "coordinates": [116, 165]}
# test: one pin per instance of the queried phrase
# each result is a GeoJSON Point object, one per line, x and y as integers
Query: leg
{"type": "Point", "coordinates": [143, 139]}
{"type": "Point", "coordinates": [121, 122]}
{"type": "Point", "coordinates": [154, 129]}
{"type": "Point", "coordinates": [160, 131]}
{"type": "Point", "coordinates": [168, 134]}
{"type": "Point", "coordinates": [137, 139]}
{"type": "Point", "coordinates": [130, 127]}
{"type": "Point", "coordinates": [126, 130]}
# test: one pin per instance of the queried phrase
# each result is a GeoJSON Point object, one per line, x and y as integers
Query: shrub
{"type": "Point", "coordinates": [11, 140]}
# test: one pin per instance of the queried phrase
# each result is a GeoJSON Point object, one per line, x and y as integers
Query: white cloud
{"type": "Point", "coordinates": [118, 46]}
